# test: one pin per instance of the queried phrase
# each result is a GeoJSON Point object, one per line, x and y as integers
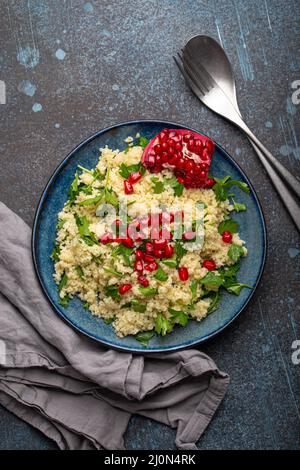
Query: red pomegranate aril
{"type": "Point", "coordinates": [150, 160]}
{"type": "Point", "coordinates": [187, 137]}
{"type": "Point", "coordinates": [149, 247]}
{"type": "Point", "coordinates": [169, 251]}
{"type": "Point", "coordinates": [134, 177]}
{"type": "Point", "coordinates": [188, 235]}
{"type": "Point", "coordinates": [138, 254]}
{"type": "Point", "coordinates": [158, 148]}
{"type": "Point", "coordinates": [143, 280]}
{"type": "Point", "coordinates": [202, 174]}
{"type": "Point", "coordinates": [163, 135]}
{"type": "Point", "coordinates": [153, 266]}
{"type": "Point", "coordinates": [124, 288]}
{"type": "Point", "coordinates": [178, 146]}
{"type": "Point", "coordinates": [128, 188]}
{"type": "Point", "coordinates": [138, 266]}
{"type": "Point", "coordinates": [106, 238]}
{"type": "Point", "coordinates": [189, 165]}
{"type": "Point", "coordinates": [203, 166]}
{"type": "Point", "coordinates": [227, 236]}
{"type": "Point", "coordinates": [180, 179]}
{"type": "Point", "coordinates": [148, 258]}
{"type": "Point", "coordinates": [128, 242]}
{"type": "Point", "coordinates": [198, 145]}
{"type": "Point", "coordinates": [171, 151]}
{"type": "Point", "coordinates": [209, 146]}
{"type": "Point", "coordinates": [171, 143]}
{"type": "Point", "coordinates": [191, 144]}
{"type": "Point", "coordinates": [205, 154]}
{"type": "Point", "coordinates": [164, 157]}
{"type": "Point", "coordinates": [164, 146]}
{"type": "Point", "coordinates": [183, 274]}
{"type": "Point", "coordinates": [210, 182]}
{"type": "Point", "coordinates": [209, 264]}
{"type": "Point", "coordinates": [158, 253]}
{"type": "Point", "coordinates": [159, 244]}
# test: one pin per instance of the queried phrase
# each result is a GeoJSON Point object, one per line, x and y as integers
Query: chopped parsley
{"type": "Point", "coordinates": [148, 291]}
{"type": "Point", "coordinates": [84, 231]}
{"type": "Point", "coordinates": [235, 252]}
{"type": "Point", "coordinates": [162, 325]}
{"type": "Point", "coordinates": [79, 271]}
{"type": "Point", "coordinates": [222, 186]}
{"type": "Point", "coordinates": [161, 275]}
{"type": "Point", "coordinates": [228, 225]}
{"type": "Point", "coordinates": [144, 337]}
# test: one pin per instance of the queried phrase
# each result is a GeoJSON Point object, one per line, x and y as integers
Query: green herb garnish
{"type": "Point", "coordinates": [160, 274]}
{"type": "Point", "coordinates": [235, 252]}
{"type": "Point", "coordinates": [79, 271]}
{"type": "Point", "coordinates": [144, 337]}
{"type": "Point", "coordinates": [224, 184]}
{"type": "Point", "coordinates": [178, 316]}
{"type": "Point", "coordinates": [64, 302]}
{"type": "Point", "coordinates": [162, 325]}
{"type": "Point", "coordinates": [229, 225]}
{"type": "Point", "coordinates": [112, 271]}
{"type": "Point", "coordinates": [148, 291]}
{"type": "Point", "coordinates": [63, 282]}
{"type": "Point", "coordinates": [84, 231]}
{"type": "Point", "coordinates": [55, 253]}
{"type": "Point", "coordinates": [113, 292]}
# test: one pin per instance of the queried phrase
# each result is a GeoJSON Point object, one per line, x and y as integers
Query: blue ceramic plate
{"type": "Point", "coordinates": [252, 230]}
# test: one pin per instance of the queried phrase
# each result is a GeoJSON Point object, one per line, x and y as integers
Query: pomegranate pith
{"type": "Point", "coordinates": [188, 153]}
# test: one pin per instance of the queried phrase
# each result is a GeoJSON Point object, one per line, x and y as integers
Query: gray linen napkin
{"type": "Point", "coordinates": [74, 390]}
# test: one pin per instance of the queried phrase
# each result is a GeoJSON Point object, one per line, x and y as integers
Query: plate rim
{"type": "Point", "coordinates": [107, 343]}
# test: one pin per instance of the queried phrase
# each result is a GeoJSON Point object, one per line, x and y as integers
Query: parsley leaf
{"type": "Point", "coordinates": [122, 250]}
{"type": "Point", "coordinates": [162, 325]}
{"type": "Point", "coordinates": [148, 291]}
{"type": "Point", "coordinates": [236, 288]}
{"type": "Point", "coordinates": [144, 337]}
{"type": "Point", "coordinates": [178, 316]}
{"type": "Point", "coordinates": [55, 253]}
{"type": "Point", "coordinates": [109, 321]}
{"type": "Point", "coordinates": [126, 170]}
{"type": "Point", "coordinates": [215, 300]}
{"type": "Point", "coordinates": [74, 189]}
{"type": "Point", "coordinates": [224, 184]}
{"type": "Point", "coordinates": [84, 231]}
{"type": "Point", "coordinates": [79, 271]}
{"type": "Point", "coordinates": [235, 252]}
{"type": "Point", "coordinates": [175, 185]}
{"type": "Point", "coordinates": [179, 251]}
{"type": "Point", "coordinates": [212, 280]}
{"type": "Point", "coordinates": [112, 271]}
{"type": "Point", "coordinates": [63, 282]}
{"type": "Point", "coordinates": [238, 207]}
{"type": "Point", "coordinates": [113, 292]}
{"type": "Point", "coordinates": [137, 306]}
{"type": "Point", "coordinates": [64, 302]}
{"type": "Point", "coordinates": [172, 263]}
{"type": "Point", "coordinates": [229, 225]}
{"type": "Point", "coordinates": [193, 289]}
{"type": "Point", "coordinates": [60, 223]}
{"type": "Point", "coordinates": [158, 186]}
{"type": "Point", "coordinates": [160, 274]}
{"type": "Point", "coordinates": [91, 201]}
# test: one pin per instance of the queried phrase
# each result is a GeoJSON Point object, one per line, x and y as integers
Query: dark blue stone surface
{"type": "Point", "coordinates": [74, 67]}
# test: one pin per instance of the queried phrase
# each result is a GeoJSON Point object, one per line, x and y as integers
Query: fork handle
{"type": "Point", "coordinates": [285, 194]}
{"type": "Point", "coordinates": [290, 179]}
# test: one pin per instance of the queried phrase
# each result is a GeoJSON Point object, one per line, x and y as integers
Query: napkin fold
{"type": "Point", "coordinates": [76, 391]}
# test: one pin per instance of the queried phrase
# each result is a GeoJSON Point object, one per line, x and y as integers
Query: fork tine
{"type": "Point", "coordinates": [199, 72]}
{"type": "Point", "coordinates": [195, 79]}
{"type": "Point", "coordinates": [190, 82]}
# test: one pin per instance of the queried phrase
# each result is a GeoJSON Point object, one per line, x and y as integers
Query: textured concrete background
{"type": "Point", "coordinates": [72, 67]}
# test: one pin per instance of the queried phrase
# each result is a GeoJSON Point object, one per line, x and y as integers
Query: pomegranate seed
{"type": "Point", "coordinates": [124, 288]}
{"type": "Point", "coordinates": [171, 151]}
{"type": "Point", "coordinates": [169, 251]}
{"type": "Point", "coordinates": [178, 146]}
{"type": "Point", "coordinates": [151, 266]}
{"type": "Point", "coordinates": [209, 146]}
{"type": "Point", "coordinates": [148, 258]}
{"type": "Point", "coordinates": [127, 242]}
{"type": "Point", "coordinates": [206, 154]}
{"type": "Point", "coordinates": [158, 148]}
{"type": "Point", "coordinates": [209, 264]}
{"type": "Point", "coordinates": [128, 188]}
{"type": "Point", "coordinates": [163, 135]}
{"type": "Point", "coordinates": [143, 280]}
{"type": "Point", "coordinates": [180, 179]}
{"type": "Point", "coordinates": [134, 177]}
{"type": "Point", "coordinates": [190, 144]}
{"type": "Point", "coordinates": [164, 157]}
{"type": "Point", "coordinates": [189, 165]}
{"type": "Point", "coordinates": [227, 236]}
{"type": "Point", "coordinates": [149, 247]}
{"type": "Point", "coordinates": [171, 142]}
{"type": "Point", "coordinates": [187, 137]}
{"type": "Point", "coordinates": [106, 238]}
{"type": "Point", "coordinates": [210, 182]}
{"type": "Point", "coordinates": [138, 254]}
{"type": "Point", "coordinates": [198, 145]}
{"type": "Point", "coordinates": [188, 235]}
{"type": "Point", "coordinates": [164, 146]}
{"type": "Point", "coordinates": [183, 274]}
{"type": "Point", "coordinates": [159, 244]}
{"type": "Point", "coordinates": [138, 266]}
{"type": "Point", "coordinates": [158, 253]}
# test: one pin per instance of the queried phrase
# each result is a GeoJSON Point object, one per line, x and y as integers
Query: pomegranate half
{"type": "Point", "coordinates": [187, 153]}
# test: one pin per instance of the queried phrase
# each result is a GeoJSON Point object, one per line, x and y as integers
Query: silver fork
{"type": "Point", "coordinates": [202, 88]}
